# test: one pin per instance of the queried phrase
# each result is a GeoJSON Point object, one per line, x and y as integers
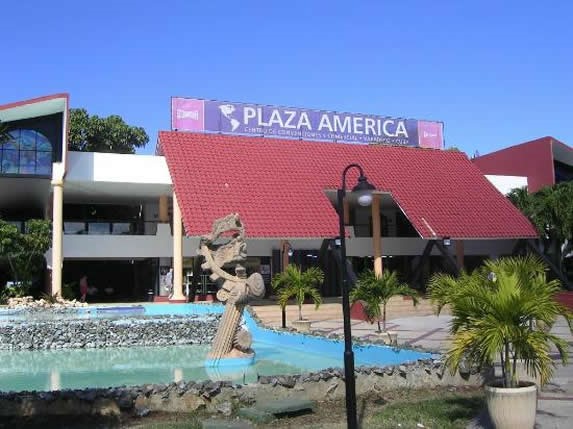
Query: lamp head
{"type": "Point", "coordinates": [364, 189]}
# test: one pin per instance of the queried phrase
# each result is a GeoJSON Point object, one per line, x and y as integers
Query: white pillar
{"type": "Point", "coordinates": [57, 235]}
{"type": "Point", "coordinates": [376, 235]}
{"type": "Point", "coordinates": [177, 252]}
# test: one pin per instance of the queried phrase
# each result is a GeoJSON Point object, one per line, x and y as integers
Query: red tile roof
{"type": "Point", "coordinates": [277, 186]}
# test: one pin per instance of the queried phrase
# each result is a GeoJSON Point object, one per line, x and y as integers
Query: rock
{"type": "Point", "coordinates": [288, 382]}
{"type": "Point", "coordinates": [256, 415]}
{"type": "Point", "coordinates": [142, 412]}
{"type": "Point", "coordinates": [285, 406]}
{"type": "Point", "coordinates": [225, 408]}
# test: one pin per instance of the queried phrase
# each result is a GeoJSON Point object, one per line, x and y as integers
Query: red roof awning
{"type": "Point", "coordinates": [277, 186]}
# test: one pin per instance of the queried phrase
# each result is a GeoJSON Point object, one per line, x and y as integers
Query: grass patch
{"type": "Point", "coordinates": [450, 412]}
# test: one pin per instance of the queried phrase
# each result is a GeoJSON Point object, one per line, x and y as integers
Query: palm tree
{"type": "Point", "coordinates": [294, 283]}
{"type": "Point", "coordinates": [503, 310]}
{"type": "Point", "coordinates": [376, 291]}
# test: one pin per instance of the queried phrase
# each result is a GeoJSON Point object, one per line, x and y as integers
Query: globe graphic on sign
{"type": "Point", "coordinates": [227, 111]}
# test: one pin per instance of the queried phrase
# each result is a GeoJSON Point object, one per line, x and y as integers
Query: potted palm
{"type": "Point", "coordinates": [503, 311]}
{"type": "Point", "coordinates": [298, 284]}
{"type": "Point", "coordinates": [375, 292]}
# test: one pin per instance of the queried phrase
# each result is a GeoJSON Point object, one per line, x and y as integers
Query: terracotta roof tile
{"type": "Point", "coordinates": [277, 186]}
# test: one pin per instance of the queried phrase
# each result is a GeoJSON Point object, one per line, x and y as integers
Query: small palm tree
{"type": "Point", "coordinates": [376, 291]}
{"type": "Point", "coordinates": [294, 283]}
{"type": "Point", "coordinates": [503, 310]}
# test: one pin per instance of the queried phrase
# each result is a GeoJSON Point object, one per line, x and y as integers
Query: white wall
{"type": "Point", "coordinates": [117, 168]}
{"type": "Point", "coordinates": [505, 184]}
{"type": "Point", "coordinates": [161, 245]}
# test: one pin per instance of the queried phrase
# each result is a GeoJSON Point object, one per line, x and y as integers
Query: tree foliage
{"type": "Point", "coordinates": [298, 284]}
{"type": "Point", "coordinates": [24, 252]}
{"type": "Point", "coordinates": [504, 310]}
{"type": "Point", "coordinates": [4, 134]}
{"type": "Point", "coordinates": [376, 291]}
{"type": "Point", "coordinates": [551, 211]}
{"type": "Point", "coordinates": [91, 133]}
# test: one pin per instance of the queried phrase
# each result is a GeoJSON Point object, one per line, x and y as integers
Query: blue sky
{"type": "Point", "coordinates": [496, 73]}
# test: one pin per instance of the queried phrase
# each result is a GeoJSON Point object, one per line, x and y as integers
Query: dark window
{"type": "Point", "coordinates": [29, 152]}
{"type": "Point", "coordinates": [404, 227]}
{"type": "Point", "coordinates": [563, 172]}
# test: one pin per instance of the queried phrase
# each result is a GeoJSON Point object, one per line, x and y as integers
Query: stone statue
{"type": "Point", "coordinates": [224, 249]}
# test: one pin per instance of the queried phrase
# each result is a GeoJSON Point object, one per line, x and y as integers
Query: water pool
{"type": "Point", "coordinates": [277, 353]}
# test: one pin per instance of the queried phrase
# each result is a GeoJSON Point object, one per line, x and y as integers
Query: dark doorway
{"type": "Point", "coordinates": [111, 281]}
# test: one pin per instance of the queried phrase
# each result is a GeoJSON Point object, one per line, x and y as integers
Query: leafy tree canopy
{"type": "Point", "coordinates": [551, 211]}
{"type": "Point", "coordinates": [4, 136]}
{"type": "Point", "coordinates": [24, 252]}
{"type": "Point", "coordinates": [90, 133]}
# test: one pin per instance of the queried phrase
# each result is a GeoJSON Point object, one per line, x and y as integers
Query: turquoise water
{"type": "Point", "coordinates": [277, 353]}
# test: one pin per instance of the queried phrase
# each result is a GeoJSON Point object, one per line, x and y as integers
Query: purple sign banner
{"type": "Point", "coordinates": [191, 114]}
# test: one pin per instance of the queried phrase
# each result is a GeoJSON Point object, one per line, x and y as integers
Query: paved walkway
{"type": "Point", "coordinates": [419, 327]}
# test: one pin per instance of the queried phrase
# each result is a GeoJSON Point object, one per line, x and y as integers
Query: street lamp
{"type": "Point", "coordinates": [363, 191]}
{"type": "Point", "coordinates": [287, 252]}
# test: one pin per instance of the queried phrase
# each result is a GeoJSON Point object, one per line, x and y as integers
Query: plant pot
{"type": "Point", "coordinates": [301, 325]}
{"type": "Point", "coordinates": [511, 408]}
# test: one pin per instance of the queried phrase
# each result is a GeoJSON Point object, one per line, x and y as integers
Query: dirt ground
{"type": "Point", "coordinates": [326, 415]}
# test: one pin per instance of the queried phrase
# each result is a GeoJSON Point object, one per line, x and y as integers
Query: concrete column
{"type": "Point", "coordinates": [376, 235]}
{"type": "Point", "coordinates": [459, 253]}
{"type": "Point", "coordinates": [177, 252]}
{"type": "Point", "coordinates": [163, 209]}
{"type": "Point", "coordinates": [284, 253]}
{"type": "Point", "coordinates": [57, 235]}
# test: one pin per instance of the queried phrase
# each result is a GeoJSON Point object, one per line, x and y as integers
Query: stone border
{"type": "Point", "coordinates": [221, 396]}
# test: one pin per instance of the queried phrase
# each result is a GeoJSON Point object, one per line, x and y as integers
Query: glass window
{"type": "Point", "coordinates": [28, 152]}
{"type": "Point", "coordinates": [121, 228]}
{"type": "Point", "coordinates": [9, 161]}
{"type": "Point", "coordinates": [28, 139]}
{"type": "Point", "coordinates": [98, 228]}
{"type": "Point", "coordinates": [44, 163]}
{"type": "Point", "coordinates": [74, 227]}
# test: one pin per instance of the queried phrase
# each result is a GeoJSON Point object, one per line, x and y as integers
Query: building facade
{"type": "Point", "coordinates": [126, 220]}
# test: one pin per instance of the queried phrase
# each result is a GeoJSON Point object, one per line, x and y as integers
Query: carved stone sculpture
{"type": "Point", "coordinates": [224, 249]}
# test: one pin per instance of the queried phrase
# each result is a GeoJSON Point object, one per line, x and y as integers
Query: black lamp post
{"type": "Point", "coordinates": [289, 252]}
{"type": "Point", "coordinates": [363, 189]}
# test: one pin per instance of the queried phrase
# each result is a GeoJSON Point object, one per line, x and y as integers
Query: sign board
{"type": "Point", "coordinates": [191, 114]}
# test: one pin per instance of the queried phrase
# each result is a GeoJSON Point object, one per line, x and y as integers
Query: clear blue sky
{"type": "Point", "coordinates": [496, 73]}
